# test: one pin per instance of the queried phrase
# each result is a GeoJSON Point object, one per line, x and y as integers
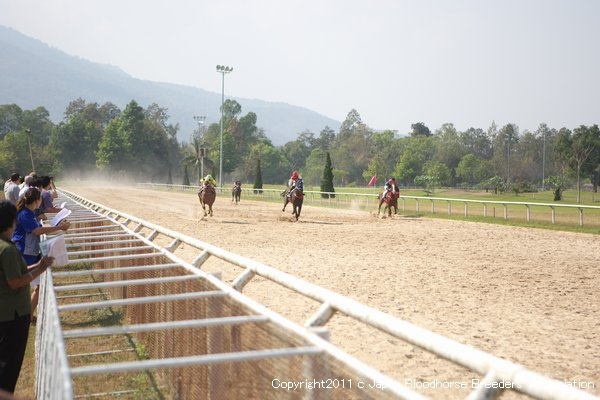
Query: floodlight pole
{"type": "Point", "coordinates": [200, 120]}
{"type": "Point", "coordinates": [222, 69]}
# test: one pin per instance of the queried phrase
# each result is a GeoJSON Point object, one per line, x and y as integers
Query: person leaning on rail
{"type": "Point", "coordinates": [27, 232]}
{"type": "Point", "coordinates": [15, 301]}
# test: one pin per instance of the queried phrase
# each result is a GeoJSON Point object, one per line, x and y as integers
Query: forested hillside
{"type": "Point", "coordinates": [37, 75]}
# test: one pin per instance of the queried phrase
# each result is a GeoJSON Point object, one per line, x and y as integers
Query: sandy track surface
{"type": "Point", "coordinates": [529, 296]}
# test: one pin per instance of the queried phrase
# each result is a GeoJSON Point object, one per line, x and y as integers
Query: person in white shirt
{"type": "Point", "coordinates": [26, 185]}
{"type": "Point", "coordinates": [11, 188]}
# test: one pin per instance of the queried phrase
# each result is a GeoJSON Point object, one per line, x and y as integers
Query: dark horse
{"type": "Point", "coordinates": [296, 197]}
{"type": "Point", "coordinates": [391, 200]}
{"type": "Point", "coordinates": [207, 196]}
{"type": "Point", "coordinates": [236, 192]}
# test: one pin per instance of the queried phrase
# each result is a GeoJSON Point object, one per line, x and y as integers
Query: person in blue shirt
{"type": "Point", "coordinates": [27, 234]}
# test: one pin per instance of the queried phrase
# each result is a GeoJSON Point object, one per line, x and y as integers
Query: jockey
{"type": "Point", "coordinates": [390, 186]}
{"type": "Point", "coordinates": [209, 181]}
{"type": "Point", "coordinates": [395, 188]}
{"type": "Point", "coordinates": [396, 191]}
{"type": "Point", "coordinates": [208, 178]}
{"type": "Point", "coordinates": [294, 182]}
{"type": "Point", "coordinates": [237, 182]}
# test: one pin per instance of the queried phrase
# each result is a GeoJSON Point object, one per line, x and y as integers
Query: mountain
{"type": "Point", "coordinates": [33, 74]}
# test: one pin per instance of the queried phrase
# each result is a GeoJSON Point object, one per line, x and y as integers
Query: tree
{"type": "Point", "coordinates": [169, 178]}
{"type": "Point", "coordinates": [194, 156]}
{"type": "Point", "coordinates": [186, 177]}
{"type": "Point", "coordinates": [449, 149]}
{"type": "Point", "coordinates": [351, 149]}
{"type": "Point", "coordinates": [258, 184]}
{"type": "Point", "coordinates": [74, 145]}
{"type": "Point", "coordinates": [298, 151]}
{"type": "Point", "coordinates": [503, 144]}
{"type": "Point", "coordinates": [231, 109]}
{"type": "Point", "coordinates": [416, 153]}
{"type": "Point", "coordinates": [476, 142]}
{"type": "Point", "coordinates": [313, 172]}
{"type": "Point", "coordinates": [385, 152]}
{"type": "Point", "coordinates": [10, 118]}
{"type": "Point", "coordinates": [325, 140]}
{"type": "Point", "coordinates": [574, 149]}
{"type": "Point", "coordinates": [439, 172]}
{"type": "Point", "coordinates": [114, 148]}
{"type": "Point", "coordinates": [419, 129]}
{"type": "Point", "coordinates": [494, 182]}
{"type": "Point", "coordinates": [349, 125]}
{"type": "Point", "coordinates": [14, 153]}
{"type": "Point", "coordinates": [246, 134]}
{"type": "Point", "coordinates": [471, 170]}
{"type": "Point", "coordinates": [592, 165]}
{"type": "Point", "coordinates": [327, 180]}
{"type": "Point", "coordinates": [429, 183]}
{"type": "Point", "coordinates": [274, 166]}
{"type": "Point", "coordinates": [557, 184]}
{"type": "Point", "coordinates": [526, 166]}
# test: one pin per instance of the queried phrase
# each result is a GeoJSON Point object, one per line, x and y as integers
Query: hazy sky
{"type": "Point", "coordinates": [397, 62]}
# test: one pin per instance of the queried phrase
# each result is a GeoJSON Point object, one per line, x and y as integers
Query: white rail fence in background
{"type": "Point", "coordinates": [101, 234]}
{"type": "Point", "coordinates": [369, 202]}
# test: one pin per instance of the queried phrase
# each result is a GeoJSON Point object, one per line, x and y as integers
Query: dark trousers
{"type": "Point", "coordinates": [13, 341]}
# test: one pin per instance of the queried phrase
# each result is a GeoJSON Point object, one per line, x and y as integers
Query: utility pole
{"type": "Point", "coordinates": [28, 132]}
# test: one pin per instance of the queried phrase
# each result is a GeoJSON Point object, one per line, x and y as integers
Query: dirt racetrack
{"type": "Point", "coordinates": [527, 295]}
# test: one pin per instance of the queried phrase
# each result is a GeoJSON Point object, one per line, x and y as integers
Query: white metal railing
{"type": "Point", "coordinates": [369, 201]}
{"type": "Point", "coordinates": [491, 368]}
{"type": "Point", "coordinates": [54, 374]}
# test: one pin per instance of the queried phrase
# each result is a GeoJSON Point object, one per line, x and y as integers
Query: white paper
{"type": "Point", "coordinates": [57, 248]}
{"type": "Point", "coordinates": [62, 205]}
{"type": "Point", "coordinates": [62, 214]}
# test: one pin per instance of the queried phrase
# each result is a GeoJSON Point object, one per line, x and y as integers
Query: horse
{"type": "Point", "coordinates": [207, 196]}
{"type": "Point", "coordinates": [391, 200]}
{"type": "Point", "coordinates": [236, 192]}
{"type": "Point", "coordinates": [296, 197]}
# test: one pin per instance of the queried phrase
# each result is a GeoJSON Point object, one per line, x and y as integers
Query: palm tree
{"type": "Point", "coordinates": [194, 157]}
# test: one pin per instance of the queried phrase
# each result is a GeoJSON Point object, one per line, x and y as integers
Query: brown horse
{"type": "Point", "coordinates": [236, 192]}
{"type": "Point", "coordinates": [296, 197]}
{"type": "Point", "coordinates": [207, 196]}
{"type": "Point", "coordinates": [391, 200]}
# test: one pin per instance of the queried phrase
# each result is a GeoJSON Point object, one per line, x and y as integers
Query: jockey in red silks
{"type": "Point", "coordinates": [293, 182]}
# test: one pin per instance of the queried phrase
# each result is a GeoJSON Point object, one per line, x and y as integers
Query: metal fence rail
{"type": "Point", "coordinates": [197, 331]}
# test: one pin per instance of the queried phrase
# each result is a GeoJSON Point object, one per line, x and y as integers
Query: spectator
{"type": "Point", "coordinates": [45, 183]}
{"type": "Point", "coordinates": [11, 188]}
{"type": "Point", "coordinates": [27, 235]}
{"type": "Point", "coordinates": [15, 305]}
{"type": "Point", "coordinates": [26, 185]}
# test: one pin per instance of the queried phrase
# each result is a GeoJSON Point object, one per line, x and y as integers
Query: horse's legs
{"type": "Point", "coordinates": [285, 202]}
